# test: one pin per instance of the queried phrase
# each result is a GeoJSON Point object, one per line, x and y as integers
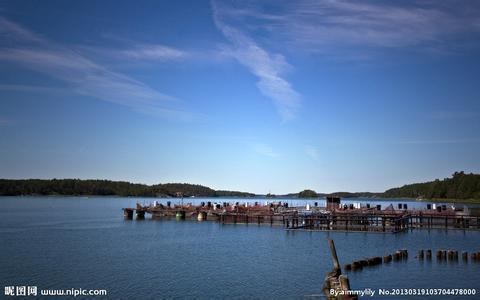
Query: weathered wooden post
{"type": "Point", "coordinates": [336, 264]}
{"type": "Point", "coordinates": [344, 284]}
{"type": "Point", "coordinates": [335, 281]}
{"type": "Point", "coordinates": [397, 255]}
{"type": "Point", "coordinates": [356, 266]}
{"type": "Point", "coordinates": [140, 214]}
{"type": "Point", "coordinates": [387, 258]}
{"type": "Point", "coordinates": [429, 254]}
{"type": "Point", "coordinates": [420, 254]}
{"type": "Point", "coordinates": [439, 254]}
{"type": "Point", "coordinates": [128, 213]}
{"type": "Point", "coordinates": [450, 255]}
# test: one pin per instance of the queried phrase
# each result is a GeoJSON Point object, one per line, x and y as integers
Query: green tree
{"type": "Point", "coordinates": [307, 194]}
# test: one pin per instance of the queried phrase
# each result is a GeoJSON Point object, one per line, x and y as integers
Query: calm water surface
{"type": "Point", "coordinates": [74, 242]}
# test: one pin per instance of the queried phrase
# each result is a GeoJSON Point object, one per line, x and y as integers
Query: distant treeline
{"type": "Point", "coordinates": [460, 186]}
{"type": "Point", "coordinates": [354, 195]}
{"type": "Point", "coordinates": [77, 187]}
{"type": "Point", "coordinates": [312, 194]}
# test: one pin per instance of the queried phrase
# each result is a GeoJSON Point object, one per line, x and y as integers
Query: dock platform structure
{"type": "Point", "coordinates": [332, 218]}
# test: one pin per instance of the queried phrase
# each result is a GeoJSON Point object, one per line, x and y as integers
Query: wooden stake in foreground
{"type": "Point", "coordinates": [335, 281]}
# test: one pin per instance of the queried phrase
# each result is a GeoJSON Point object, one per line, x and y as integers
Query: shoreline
{"type": "Point", "coordinates": [386, 199]}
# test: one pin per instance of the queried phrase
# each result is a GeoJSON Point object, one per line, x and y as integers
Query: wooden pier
{"type": "Point", "coordinates": [315, 218]}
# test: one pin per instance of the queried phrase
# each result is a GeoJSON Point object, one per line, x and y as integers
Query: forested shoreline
{"type": "Point", "coordinates": [78, 187]}
{"type": "Point", "coordinates": [460, 186]}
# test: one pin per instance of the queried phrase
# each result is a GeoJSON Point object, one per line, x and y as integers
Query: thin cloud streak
{"type": "Point", "coordinates": [332, 26]}
{"type": "Point", "coordinates": [268, 68]}
{"type": "Point", "coordinates": [133, 52]}
{"type": "Point", "coordinates": [14, 32]}
{"type": "Point", "coordinates": [83, 75]}
{"type": "Point", "coordinates": [155, 52]}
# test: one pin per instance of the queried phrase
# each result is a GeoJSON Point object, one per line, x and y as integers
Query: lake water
{"type": "Point", "coordinates": [75, 242]}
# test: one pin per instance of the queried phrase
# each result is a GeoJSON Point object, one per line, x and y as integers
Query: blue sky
{"type": "Point", "coordinates": [242, 95]}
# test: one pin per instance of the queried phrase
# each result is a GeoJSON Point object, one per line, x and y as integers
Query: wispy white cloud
{"type": "Point", "coordinates": [265, 150]}
{"type": "Point", "coordinates": [155, 52]}
{"type": "Point", "coordinates": [128, 52]}
{"type": "Point", "coordinates": [82, 75]}
{"type": "Point", "coordinates": [312, 152]}
{"type": "Point", "coordinates": [13, 32]}
{"type": "Point", "coordinates": [267, 67]}
{"type": "Point", "coordinates": [333, 27]}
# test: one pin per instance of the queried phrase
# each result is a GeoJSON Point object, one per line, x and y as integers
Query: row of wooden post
{"type": "Point", "coordinates": [377, 260]}
{"type": "Point", "coordinates": [450, 255]}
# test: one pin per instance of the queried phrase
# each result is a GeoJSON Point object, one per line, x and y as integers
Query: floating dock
{"type": "Point", "coordinates": [333, 217]}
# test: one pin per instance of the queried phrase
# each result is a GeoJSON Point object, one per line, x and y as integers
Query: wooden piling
{"type": "Point", "coordinates": [128, 213]}
{"type": "Point", "coordinates": [476, 256]}
{"type": "Point", "coordinates": [345, 286]}
{"type": "Point", "coordinates": [397, 255]}
{"type": "Point", "coordinates": [370, 262]}
{"type": "Point", "coordinates": [373, 261]}
{"type": "Point", "coordinates": [465, 256]}
{"type": "Point", "coordinates": [333, 251]}
{"type": "Point", "coordinates": [334, 279]}
{"type": "Point", "coordinates": [449, 254]}
{"type": "Point", "coordinates": [429, 254]}
{"type": "Point", "coordinates": [420, 254]}
{"type": "Point", "coordinates": [140, 214]}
